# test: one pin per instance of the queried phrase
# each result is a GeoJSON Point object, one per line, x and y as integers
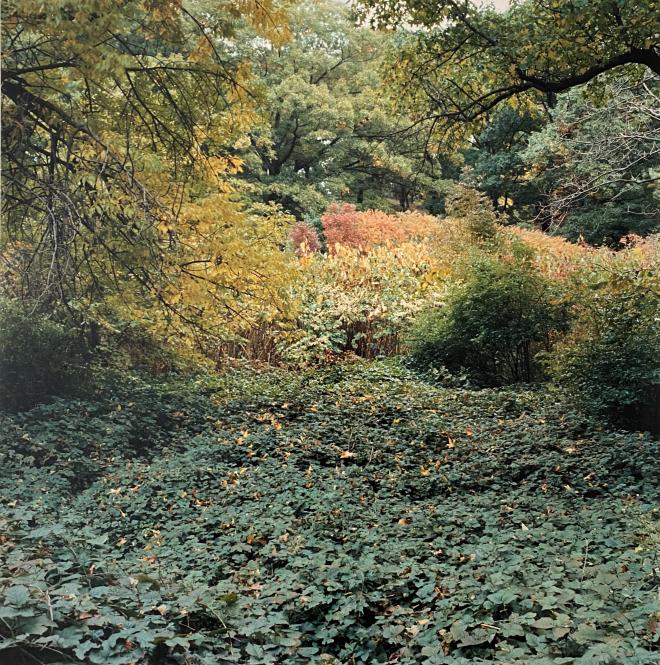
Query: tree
{"type": "Point", "coordinates": [462, 60]}
{"type": "Point", "coordinates": [328, 130]}
{"type": "Point", "coordinates": [596, 164]}
{"type": "Point", "coordinates": [495, 164]}
{"type": "Point", "coordinates": [117, 118]}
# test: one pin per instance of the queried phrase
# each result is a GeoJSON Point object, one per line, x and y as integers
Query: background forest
{"type": "Point", "coordinates": [329, 332]}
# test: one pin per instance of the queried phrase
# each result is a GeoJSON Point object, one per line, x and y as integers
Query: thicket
{"type": "Point", "coordinates": [39, 358]}
{"type": "Point", "coordinates": [461, 294]}
{"type": "Point", "coordinates": [610, 360]}
{"type": "Point", "coordinates": [493, 324]}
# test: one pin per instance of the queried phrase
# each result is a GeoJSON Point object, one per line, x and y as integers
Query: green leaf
{"type": "Point", "coordinates": [17, 596]}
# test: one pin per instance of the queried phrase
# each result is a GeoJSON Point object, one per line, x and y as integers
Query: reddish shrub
{"type": "Point", "coordinates": [304, 239]}
{"type": "Point", "coordinates": [344, 225]}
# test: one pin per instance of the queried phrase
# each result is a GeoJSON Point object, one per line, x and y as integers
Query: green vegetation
{"type": "Point", "coordinates": [493, 324]}
{"type": "Point", "coordinates": [610, 362]}
{"type": "Point", "coordinates": [326, 131]}
{"type": "Point", "coordinates": [351, 515]}
{"type": "Point", "coordinates": [39, 358]}
{"type": "Point", "coordinates": [329, 332]}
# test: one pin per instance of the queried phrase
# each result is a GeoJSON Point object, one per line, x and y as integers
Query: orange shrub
{"type": "Point", "coordinates": [344, 225]}
{"type": "Point", "coordinates": [419, 226]}
{"type": "Point", "coordinates": [304, 239]}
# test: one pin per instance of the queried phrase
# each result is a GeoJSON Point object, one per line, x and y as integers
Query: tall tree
{"type": "Point", "coordinates": [463, 59]}
{"type": "Point", "coordinates": [597, 164]}
{"type": "Point", "coordinates": [117, 117]}
{"type": "Point", "coordinates": [329, 130]}
{"type": "Point", "coordinates": [495, 163]}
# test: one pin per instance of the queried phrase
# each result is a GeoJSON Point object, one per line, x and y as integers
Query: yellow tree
{"type": "Point", "coordinates": [119, 121]}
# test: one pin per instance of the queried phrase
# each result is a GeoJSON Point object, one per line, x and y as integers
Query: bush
{"type": "Point", "coordinates": [39, 358]}
{"type": "Point", "coordinates": [608, 224]}
{"type": "Point", "coordinates": [492, 325]}
{"type": "Point", "coordinates": [353, 514]}
{"type": "Point", "coordinates": [304, 239]}
{"type": "Point", "coordinates": [355, 302]}
{"type": "Point", "coordinates": [476, 211]}
{"type": "Point", "coordinates": [609, 362]}
{"type": "Point", "coordinates": [365, 229]}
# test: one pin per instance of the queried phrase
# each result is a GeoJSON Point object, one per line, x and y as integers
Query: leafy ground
{"type": "Point", "coordinates": [354, 515]}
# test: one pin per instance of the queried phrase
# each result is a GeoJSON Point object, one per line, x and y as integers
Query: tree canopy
{"type": "Point", "coordinates": [461, 59]}
{"type": "Point", "coordinates": [328, 128]}
{"type": "Point", "coordinates": [116, 117]}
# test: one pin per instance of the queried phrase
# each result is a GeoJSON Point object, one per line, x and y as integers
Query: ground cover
{"type": "Point", "coordinates": [357, 514]}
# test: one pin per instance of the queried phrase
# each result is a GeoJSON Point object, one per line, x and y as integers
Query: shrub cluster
{"type": "Point", "coordinates": [357, 302]}
{"type": "Point", "coordinates": [610, 361]}
{"type": "Point", "coordinates": [344, 225]}
{"type": "Point", "coordinates": [39, 358]}
{"type": "Point", "coordinates": [492, 325]}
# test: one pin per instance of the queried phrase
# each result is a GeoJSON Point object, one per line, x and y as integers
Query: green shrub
{"type": "Point", "coordinates": [476, 210]}
{"type": "Point", "coordinates": [609, 362]}
{"type": "Point", "coordinates": [607, 224]}
{"type": "Point", "coordinates": [39, 358]}
{"type": "Point", "coordinates": [492, 325]}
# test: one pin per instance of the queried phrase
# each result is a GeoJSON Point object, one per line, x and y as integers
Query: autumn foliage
{"type": "Point", "coordinates": [344, 225]}
{"type": "Point", "coordinates": [304, 239]}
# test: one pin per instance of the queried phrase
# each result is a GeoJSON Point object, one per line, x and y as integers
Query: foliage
{"type": "Point", "coordinates": [360, 297]}
{"type": "Point", "coordinates": [596, 163]}
{"type": "Point", "coordinates": [554, 256]}
{"type": "Point", "coordinates": [610, 361]}
{"type": "Point", "coordinates": [496, 164]}
{"type": "Point", "coordinates": [315, 222]}
{"type": "Point", "coordinates": [345, 225]}
{"type": "Point", "coordinates": [217, 178]}
{"type": "Point", "coordinates": [461, 60]}
{"type": "Point", "coordinates": [475, 212]}
{"type": "Point", "coordinates": [233, 271]}
{"type": "Point", "coordinates": [120, 123]}
{"type": "Point", "coordinates": [327, 130]}
{"type": "Point", "coordinates": [359, 302]}
{"type": "Point", "coordinates": [492, 324]}
{"type": "Point", "coordinates": [304, 238]}
{"type": "Point", "coordinates": [354, 515]}
{"type": "Point", "coordinates": [39, 358]}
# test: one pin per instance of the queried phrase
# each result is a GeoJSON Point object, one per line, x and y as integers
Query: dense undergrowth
{"type": "Point", "coordinates": [357, 514]}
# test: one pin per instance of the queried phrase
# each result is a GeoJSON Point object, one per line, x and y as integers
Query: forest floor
{"type": "Point", "coordinates": [357, 514]}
